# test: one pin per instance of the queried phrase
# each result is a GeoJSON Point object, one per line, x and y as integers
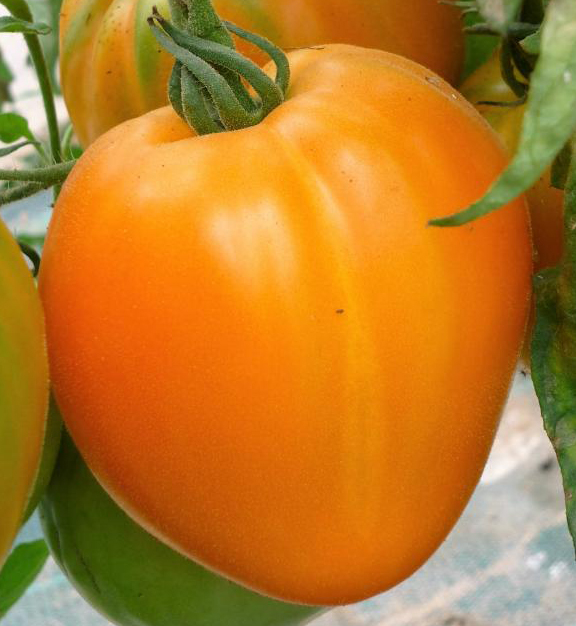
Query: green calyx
{"type": "Point", "coordinates": [207, 87]}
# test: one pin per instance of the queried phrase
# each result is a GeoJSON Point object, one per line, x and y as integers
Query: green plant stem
{"type": "Point", "coordinates": [209, 87]}
{"type": "Point", "coordinates": [67, 142]}
{"type": "Point", "coordinates": [203, 22]}
{"type": "Point", "coordinates": [231, 111]}
{"type": "Point", "coordinates": [50, 175]}
{"type": "Point", "coordinates": [522, 61]}
{"type": "Point", "coordinates": [217, 54]}
{"type": "Point", "coordinates": [19, 8]}
{"type": "Point", "coordinates": [278, 57]}
{"type": "Point", "coordinates": [518, 30]}
{"type": "Point", "coordinates": [19, 192]}
{"type": "Point", "coordinates": [194, 105]}
{"type": "Point", "coordinates": [507, 69]}
{"type": "Point", "coordinates": [503, 103]}
{"type": "Point", "coordinates": [183, 38]}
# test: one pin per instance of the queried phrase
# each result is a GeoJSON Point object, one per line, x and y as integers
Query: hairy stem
{"type": "Point", "coordinates": [50, 175]}
{"type": "Point", "coordinates": [19, 192]}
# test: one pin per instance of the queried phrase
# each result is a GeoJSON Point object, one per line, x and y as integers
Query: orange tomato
{"type": "Point", "coordinates": [112, 69]}
{"type": "Point", "coordinates": [261, 349]}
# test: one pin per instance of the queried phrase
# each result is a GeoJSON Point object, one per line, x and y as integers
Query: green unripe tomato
{"type": "Point", "coordinates": [129, 576]}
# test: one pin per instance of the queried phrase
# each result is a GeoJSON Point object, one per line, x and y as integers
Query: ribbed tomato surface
{"type": "Point", "coordinates": [262, 350]}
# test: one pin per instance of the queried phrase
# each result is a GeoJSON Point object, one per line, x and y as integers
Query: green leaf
{"type": "Point", "coordinates": [15, 146]}
{"type": "Point", "coordinates": [6, 77]}
{"type": "Point", "coordinates": [477, 49]}
{"type": "Point", "coordinates": [36, 241]}
{"type": "Point", "coordinates": [560, 167]}
{"type": "Point", "coordinates": [9, 24]}
{"type": "Point", "coordinates": [19, 571]}
{"type": "Point", "coordinates": [531, 44]}
{"type": "Point", "coordinates": [550, 114]}
{"type": "Point", "coordinates": [553, 352]}
{"type": "Point", "coordinates": [499, 14]}
{"type": "Point", "coordinates": [13, 127]}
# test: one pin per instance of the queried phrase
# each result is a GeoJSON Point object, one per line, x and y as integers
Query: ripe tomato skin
{"type": "Point", "coordinates": [23, 387]}
{"type": "Point", "coordinates": [112, 69]}
{"type": "Point", "coordinates": [262, 351]}
{"type": "Point", "coordinates": [544, 201]}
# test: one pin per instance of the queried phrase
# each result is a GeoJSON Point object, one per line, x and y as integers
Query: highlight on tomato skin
{"type": "Point", "coordinates": [275, 366]}
{"type": "Point", "coordinates": [23, 387]}
{"type": "Point", "coordinates": [112, 69]}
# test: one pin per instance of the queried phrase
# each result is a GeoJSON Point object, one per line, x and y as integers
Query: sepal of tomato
{"type": "Point", "coordinates": [264, 353]}
{"type": "Point", "coordinates": [23, 387]}
{"type": "Point", "coordinates": [128, 575]}
{"type": "Point", "coordinates": [112, 69]}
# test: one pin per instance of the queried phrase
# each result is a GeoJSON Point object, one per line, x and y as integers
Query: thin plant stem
{"type": "Point", "coordinates": [19, 8]}
{"type": "Point", "coordinates": [51, 174]}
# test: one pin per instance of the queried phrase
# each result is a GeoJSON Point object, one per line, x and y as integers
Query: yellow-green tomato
{"type": "Point", "coordinates": [23, 387]}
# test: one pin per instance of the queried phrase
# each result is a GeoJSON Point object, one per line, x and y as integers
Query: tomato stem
{"type": "Point", "coordinates": [204, 22]}
{"type": "Point", "coordinates": [508, 73]}
{"type": "Point", "coordinates": [32, 181]}
{"type": "Point", "coordinates": [178, 12]}
{"type": "Point", "coordinates": [20, 191]}
{"type": "Point", "coordinates": [207, 85]}
{"type": "Point", "coordinates": [50, 175]}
